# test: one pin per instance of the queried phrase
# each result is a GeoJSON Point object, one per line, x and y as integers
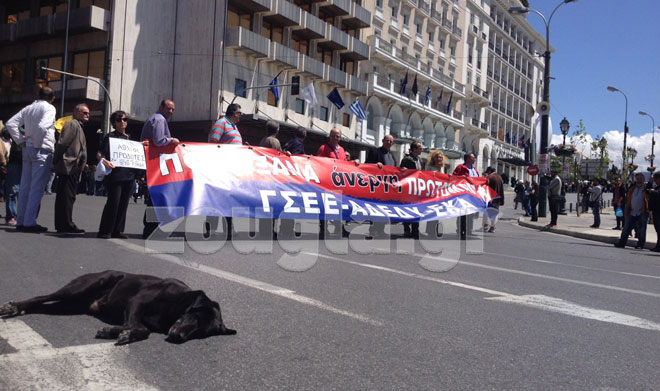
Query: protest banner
{"type": "Point", "coordinates": [243, 181]}
{"type": "Point", "coordinates": [127, 153]}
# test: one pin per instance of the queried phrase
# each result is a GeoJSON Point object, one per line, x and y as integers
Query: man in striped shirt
{"type": "Point", "coordinates": [224, 131]}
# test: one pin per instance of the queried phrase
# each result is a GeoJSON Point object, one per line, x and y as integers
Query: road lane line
{"type": "Point", "coordinates": [537, 301]}
{"type": "Point", "coordinates": [553, 304]}
{"type": "Point", "coordinates": [38, 365]}
{"type": "Point", "coordinates": [256, 284]}
{"type": "Point", "coordinates": [575, 266]}
{"type": "Point", "coordinates": [20, 336]}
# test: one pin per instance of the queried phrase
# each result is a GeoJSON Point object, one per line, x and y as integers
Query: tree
{"type": "Point", "coordinates": [579, 138]}
{"type": "Point", "coordinates": [599, 146]}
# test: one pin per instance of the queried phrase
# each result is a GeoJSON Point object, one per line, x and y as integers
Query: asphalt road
{"type": "Point", "coordinates": [521, 309]}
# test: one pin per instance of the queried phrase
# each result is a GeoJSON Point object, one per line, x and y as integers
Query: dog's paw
{"type": "Point", "coordinates": [106, 333]}
{"type": "Point", "coordinates": [229, 332]}
{"type": "Point", "coordinates": [128, 336]}
{"type": "Point", "coordinates": [8, 310]}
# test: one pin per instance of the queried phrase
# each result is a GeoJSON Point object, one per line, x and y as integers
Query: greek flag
{"type": "Point", "coordinates": [358, 110]}
{"type": "Point", "coordinates": [427, 99]}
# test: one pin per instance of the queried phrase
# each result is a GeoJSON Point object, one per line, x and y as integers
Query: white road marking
{"type": "Point", "coordinates": [576, 266]}
{"type": "Point", "coordinates": [566, 307]}
{"type": "Point", "coordinates": [38, 366]}
{"type": "Point", "coordinates": [537, 301]}
{"type": "Point", "coordinates": [256, 284]}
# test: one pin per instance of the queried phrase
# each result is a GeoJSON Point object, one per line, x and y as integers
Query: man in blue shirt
{"type": "Point", "coordinates": [157, 132]}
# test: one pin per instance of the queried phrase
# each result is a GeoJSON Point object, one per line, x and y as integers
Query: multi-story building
{"type": "Point", "coordinates": [514, 80]}
{"type": "Point", "coordinates": [475, 67]}
{"type": "Point", "coordinates": [144, 51]}
{"type": "Point", "coordinates": [419, 41]}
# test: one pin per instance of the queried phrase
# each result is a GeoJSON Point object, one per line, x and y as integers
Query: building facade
{"type": "Point", "coordinates": [458, 75]}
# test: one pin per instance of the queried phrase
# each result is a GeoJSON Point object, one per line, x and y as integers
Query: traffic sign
{"type": "Point", "coordinates": [532, 170]}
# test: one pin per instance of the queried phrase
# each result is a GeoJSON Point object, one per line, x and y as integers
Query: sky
{"type": "Point", "coordinates": [600, 43]}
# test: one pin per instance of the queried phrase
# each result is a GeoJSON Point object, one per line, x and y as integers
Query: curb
{"type": "Point", "coordinates": [632, 242]}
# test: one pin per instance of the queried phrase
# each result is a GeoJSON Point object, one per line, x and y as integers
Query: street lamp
{"type": "Point", "coordinates": [652, 137]}
{"type": "Point", "coordinates": [564, 125]}
{"type": "Point", "coordinates": [625, 130]}
{"type": "Point", "coordinates": [545, 119]}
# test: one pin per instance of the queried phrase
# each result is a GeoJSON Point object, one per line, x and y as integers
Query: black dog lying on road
{"type": "Point", "coordinates": [141, 304]}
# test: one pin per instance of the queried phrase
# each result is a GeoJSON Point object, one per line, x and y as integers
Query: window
{"type": "Point", "coordinates": [50, 62]}
{"type": "Point", "coordinates": [346, 120]}
{"type": "Point", "coordinates": [418, 28]}
{"type": "Point", "coordinates": [89, 63]}
{"type": "Point", "coordinates": [273, 32]}
{"type": "Point", "coordinates": [469, 78]}
{"type": "Point", "coordinates": [469, 54]}
{"type": "Point", "coordinates": [379, 4]}
{"type": "Point", "coordinates": [237, 17]}
{"type": "Point", "coordinates": [239, 88]}
{"type": "Point", "coordinates": [406, 17]}
{"type": "Point", "coordinates": [441, 41]}
{"type": "Point", "coordinates": [300, 106]}
{"type": "Point", "coordinates": [395, 12]}
{"type": "Point", "coordinates": [299, 45]}
{"type": "Point", "coordinates": [13, 77]}
{"type": "Point", "coordinates": [431, 35]}
{"type": "Point", "coordinates": [478, 59]}
{"type": "Point", "coordinates": [323, 114]}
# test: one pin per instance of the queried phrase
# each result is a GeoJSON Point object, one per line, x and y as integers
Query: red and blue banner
{"type": "Point", "coordinates": [243, 181]}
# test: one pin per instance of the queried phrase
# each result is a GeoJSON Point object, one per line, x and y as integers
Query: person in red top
{"type": "Point", "coordinates": [332, 149]}
{"type": "Point", "coordinates": [466, 169]}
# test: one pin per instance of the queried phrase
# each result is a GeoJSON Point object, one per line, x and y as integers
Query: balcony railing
{"type": "Point", "coordinates": [356, 84]}
{"type": "Point", "coordinates": [359, 16]}
{"type": "Point", "coordinates": [337, 37]}
{"type": "Point", "coordinates": [244, 39]}
{"type": "Point", "coordinates": [313, 26]}
{"type": "Point", "coordinates": [288, 13]}
{"type": "Point", "coordinates": [284, 55]}
{"type": "Point", "coordinates": [311, 66]}
{"type": "Point", "coordinates": [335, 75]}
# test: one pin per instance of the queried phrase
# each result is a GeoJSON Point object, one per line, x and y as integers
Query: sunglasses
{"type": "Point", "coordinates": [122, 120]}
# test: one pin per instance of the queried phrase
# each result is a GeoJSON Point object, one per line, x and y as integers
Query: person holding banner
{"type": "Point", "coordinates": [119, 183]}
{"type": "Point", "coordinates": [412, 161]}
{"type": "Point", "coordinates": [381, 157]}
{"type": "Point", "coordinates": [69, 159]}
{"type": "Point", "coordinates": [156, 131]}
{"type": "Point", "coordinates": [332, 150]}
{"type": "Point", "coordinates": [224, 131]}
{"type": "Point", "coordinates": [467, 169]}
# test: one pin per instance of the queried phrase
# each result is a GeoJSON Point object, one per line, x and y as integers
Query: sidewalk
{"type": "Point", "coordinates": [579, 227]}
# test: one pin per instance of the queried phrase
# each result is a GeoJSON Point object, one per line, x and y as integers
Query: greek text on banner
{"type": "Point", "coordinates": [242, 181]}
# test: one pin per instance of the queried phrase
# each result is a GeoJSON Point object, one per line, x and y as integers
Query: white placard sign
{"type": "Point", "coordinates": [126, 153]}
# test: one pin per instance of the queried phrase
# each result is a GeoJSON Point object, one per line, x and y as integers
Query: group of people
{"type": "Point", "coordinates": [32, 133]}
{"type": "Point", "coordinates": [527, 194]}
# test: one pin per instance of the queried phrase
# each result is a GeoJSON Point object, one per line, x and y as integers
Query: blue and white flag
{"type": "Point", "coordinates": [449, 103]}
{"type": "Point", "coordinates": [358, 110]}
{"type": "Point", "coordinates": [427, 99]}
{"type": "Point", "coordinates": [273, 88]}
{"type": "Point", "coordinates": [335, 98]}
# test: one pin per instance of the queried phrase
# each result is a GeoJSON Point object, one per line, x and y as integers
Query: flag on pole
{"type": "Point", "coordinates": [402, 91]}
{"type": "Point", "coordinates": [309, 94]}
{"type": "Point", "coordinates": [414, 86]}
{"type": "Point", "coordinates": [358, 110]}
{"type": "Point", "coordinates": [335, 98]}
{"type": "Point", "coordinates": [273, 88]}
{"type": "Point", "coordinates": [449, 103]}
{"type": "Point", "coordinates": [522, 141]}
{"type": "Point", "coordinates": [439, 101]}
{"type": "Point", "coordinates": [427, 99]}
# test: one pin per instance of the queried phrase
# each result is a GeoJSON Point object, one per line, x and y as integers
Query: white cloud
{"type": "Point", "coordinates": [615, 146]}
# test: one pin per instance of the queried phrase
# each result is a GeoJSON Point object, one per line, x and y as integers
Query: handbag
{"type": "Point", "coordinates": [618, 212]}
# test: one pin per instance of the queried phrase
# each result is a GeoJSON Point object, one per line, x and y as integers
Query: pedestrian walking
{"type": "Point", "coordinates": [636, 213]}
{"type": "Point", "coordinates": [654, 206]}
{"type": "Point", "coordinates": [595, 197]}
{"type": "Point", "coordinates": [618, 201]}
{"type": "Point", "coordinates": [496, 183]}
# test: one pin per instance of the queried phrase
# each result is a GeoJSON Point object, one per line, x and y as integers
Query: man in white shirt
{"type": "Point", "coordinates": [38, 143]}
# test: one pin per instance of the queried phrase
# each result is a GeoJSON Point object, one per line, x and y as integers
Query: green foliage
{"type": "Point", "coordinates": [579, 137]}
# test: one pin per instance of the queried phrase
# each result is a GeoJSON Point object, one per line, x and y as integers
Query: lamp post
{"type": "Point", "coordinates": [625, 131]}
{"type": "Point", "coordinates": [652, 137]}
{"type": "Point", "coordinates": [543, 189]}
{"type": "Point", "coordinates": [564, 125]}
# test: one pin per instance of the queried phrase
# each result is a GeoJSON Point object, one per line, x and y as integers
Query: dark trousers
{"type": "Point", "coordinates": [66, 196]}
{"type": "Point", "coordinates": [656, 225]}
{"type": "Point", "coordinates": [113, 219]}
{"type": "Point", "coordinates": [535, 213]}
{"type": "Point", "coordinates": [635, 222]}
{"type": "Point", "coordinates": [554, 210]}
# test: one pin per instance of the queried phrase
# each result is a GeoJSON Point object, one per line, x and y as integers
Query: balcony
{"type": "Point", "coordinates": [356, 84]}
{"type": "Point", "coordinates": [446, 24]}
{"type": "Point", "coordinates": [245, 40]}
{"type": "Point", "coordinates": [335, 76]}
{"type": "Point", "coordinates": [34, 27]}
{"type": "Point", "coordinates": [284, 55]}
{"type": "Point", "coordinates": [336, 7]}
{"type": "Point", "coordinates": [80, 89]}
{"type": "Point", "coordinates": [335, 39]}
{"type": "Point", "coordinates": [310, 26]}
{"type": "Point", "coordinates": [359, 17]}
{"type": "Point", "coordinates": [457, 32]}
{"type": "Point", "coordinates": [252, 5]}
{"type": "Point", "coordinates": [311, 66]}
{"type": "Point", "coordinates": [86, 19]}
{"type": "Point", "coordinates": [283, 13]}
{"type": "Point", "coordinates": [357, 50]}
{"type": "Point", "coordinates": [7, 32]}
{"type": "Point", "coordinates": [424, 7]}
